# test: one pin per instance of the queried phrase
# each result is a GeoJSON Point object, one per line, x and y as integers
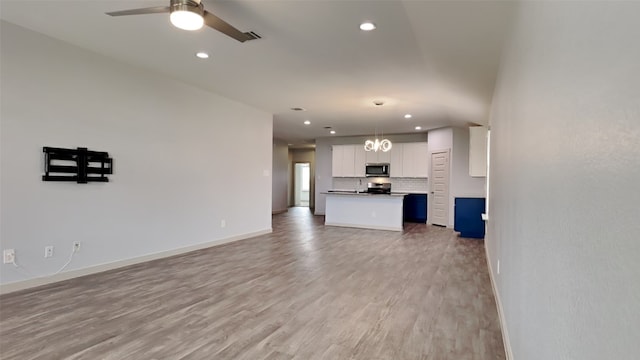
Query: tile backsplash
{"type": "Point", "coordinates": [397, 184]}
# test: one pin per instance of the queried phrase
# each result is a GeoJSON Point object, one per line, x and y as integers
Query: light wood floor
{"type": "Point", "coordinates": [305, 291]}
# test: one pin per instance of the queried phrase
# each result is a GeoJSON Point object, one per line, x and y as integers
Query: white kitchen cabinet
{"type": "Point", "coordinates": [421, 163]}
{"type": "Point", "coordinates": [343, 161]}
{"type": "Point", "coordinates": [385, 157]}
{"type": "Point", "coordinates": [371, 157]}
{"type": "Point", "coordinates": [336, 160]}
{"type": "Point", "coordinates": [379, 157]}
{"type": "Point", "coordinates": [348, 160]}
{"type": "Point", "coordinates": [415, 160]}
{"type": "Point", "coordinates": [397, 160]}
{"type": "Point", "coordinates": [406, 160]}
{"type": "Point", "coordinates": [360, 161]}
{"type": "Point", "coordinates": [478, 151]}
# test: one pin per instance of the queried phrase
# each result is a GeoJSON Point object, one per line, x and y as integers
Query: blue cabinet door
{"type": "Point", "coordinates": [468, 217]}
{"type": "Point", "coordinates": [415, 208]}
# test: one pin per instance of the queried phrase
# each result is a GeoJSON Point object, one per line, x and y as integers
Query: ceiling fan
{"type": "Point", "coordinates": [191, 15]}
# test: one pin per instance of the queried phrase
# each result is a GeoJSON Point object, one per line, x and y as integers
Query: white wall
{"type": "Point", "coordinates": [174, 180]}
{"type": "Point", "coordinates": [280, 176]}
{"type": "Point", "coordinates": [440, 139]}
{"type": "Point", "coordinates": [565, 173]}
{"type": "Point", "coordinates": [463, 184]}
{"type": "Point", "coordinates": [323, 178]}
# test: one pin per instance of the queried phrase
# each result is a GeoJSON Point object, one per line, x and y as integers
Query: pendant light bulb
{"type": "Point", "coordinates": [383, 145]}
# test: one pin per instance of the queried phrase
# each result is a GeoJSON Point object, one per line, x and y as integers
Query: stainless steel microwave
{"type": "Point", "coordinates": [377, 170]}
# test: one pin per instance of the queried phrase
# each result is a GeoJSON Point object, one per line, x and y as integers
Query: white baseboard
{"type": "Point", "coordinates": [276, 212]}
{"type": "Point", "coordinates": [27, 284]}
{"type": "Point", "coordinates": [503, 325]}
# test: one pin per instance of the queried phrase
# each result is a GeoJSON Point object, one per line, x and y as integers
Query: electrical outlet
{"type": "Point", "coordinates": [223, 223]}
{"type": "Point", "coordinates": [48, 251]}
{"type": "Point", "coordinates": [9, 256]}
{"type": "Point", "coordinates": [76, 246]}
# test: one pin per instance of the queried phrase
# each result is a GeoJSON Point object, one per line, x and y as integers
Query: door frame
{"type": "Point", "coordinates": [296, 184]}
{"type": "Point", "coordinates": [292, 179]}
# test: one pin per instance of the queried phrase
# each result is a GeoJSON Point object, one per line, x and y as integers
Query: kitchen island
{"type": "Point", "coordinates": [364, 210]}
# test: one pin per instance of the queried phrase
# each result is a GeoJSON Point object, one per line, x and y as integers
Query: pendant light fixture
{"type": "Point", "coordinates": [376, 145]}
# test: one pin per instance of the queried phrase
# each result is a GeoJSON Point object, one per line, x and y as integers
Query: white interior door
{"type": "Point", "coordinates": [440, 188]}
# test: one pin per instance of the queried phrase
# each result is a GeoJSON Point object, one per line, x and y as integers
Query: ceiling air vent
{"type": "Point", "coordinates": [253, 35]}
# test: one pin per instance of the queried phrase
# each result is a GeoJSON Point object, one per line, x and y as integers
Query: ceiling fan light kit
{"type": "Point", "coordinates": [187, 15]}
{"type": "Point", "coordinates": [191, 15]}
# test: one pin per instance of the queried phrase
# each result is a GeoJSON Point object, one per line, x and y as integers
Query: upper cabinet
{"type": "Point", "coordinates": [396, 162]}
{"type": "Point", "coordinates": [405, 159]}
{"type": "Point", "coordinates": [384, 157]}
{"type": "Point", "coordinates": [378, 157]}
{"type": "Point", "coordinates": [478, 151]}
{"type": "Point", "coordinates": [415, 160]}
{"type": "Point", "coordinates": [360, 161]}
{"type": "Point", "coordinates": [336, 160]}
{"type": "Point", "coordinates": [343, 161]}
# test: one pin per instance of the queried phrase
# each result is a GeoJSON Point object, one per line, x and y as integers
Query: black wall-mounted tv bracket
{"type": "Point", "coordinates": [79, 165]}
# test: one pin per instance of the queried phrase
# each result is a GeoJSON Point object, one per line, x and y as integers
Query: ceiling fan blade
{"type": "Point", "coordinates": [224, 27]}
{"type": "Point", "coordinates": [150, 10]}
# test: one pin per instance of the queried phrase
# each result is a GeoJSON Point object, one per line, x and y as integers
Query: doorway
{"type": "Point", "coordinates": [302, 180]}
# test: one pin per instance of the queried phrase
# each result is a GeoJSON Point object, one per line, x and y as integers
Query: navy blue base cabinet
{"type": "Point", "coordinates": [415, 208]}
{"type": "Point", "coordinates": [468, 217]}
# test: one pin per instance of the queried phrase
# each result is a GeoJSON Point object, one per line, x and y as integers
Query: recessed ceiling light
{"type": "Point", "coordinates": [367, 26]}
{"type": "Point", "coordinates": [408, 116]}
{"type": "Point", "coordinates": [418, 128]}
{"type": "Point", "coordinates": [307, 122]}
{"type": "Point", "coordinates": [297, 109]}
{"type": "Point", "coordinates": [332, 131]}
{"type": "Point", "coordinates": [202, 55]}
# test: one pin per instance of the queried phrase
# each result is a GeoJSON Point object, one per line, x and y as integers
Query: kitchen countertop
{"type": "Point", "coordinates": [359, 193]}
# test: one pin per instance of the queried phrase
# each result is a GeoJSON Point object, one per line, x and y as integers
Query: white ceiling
{"type": "Point", "coordinates": [434, 59]}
